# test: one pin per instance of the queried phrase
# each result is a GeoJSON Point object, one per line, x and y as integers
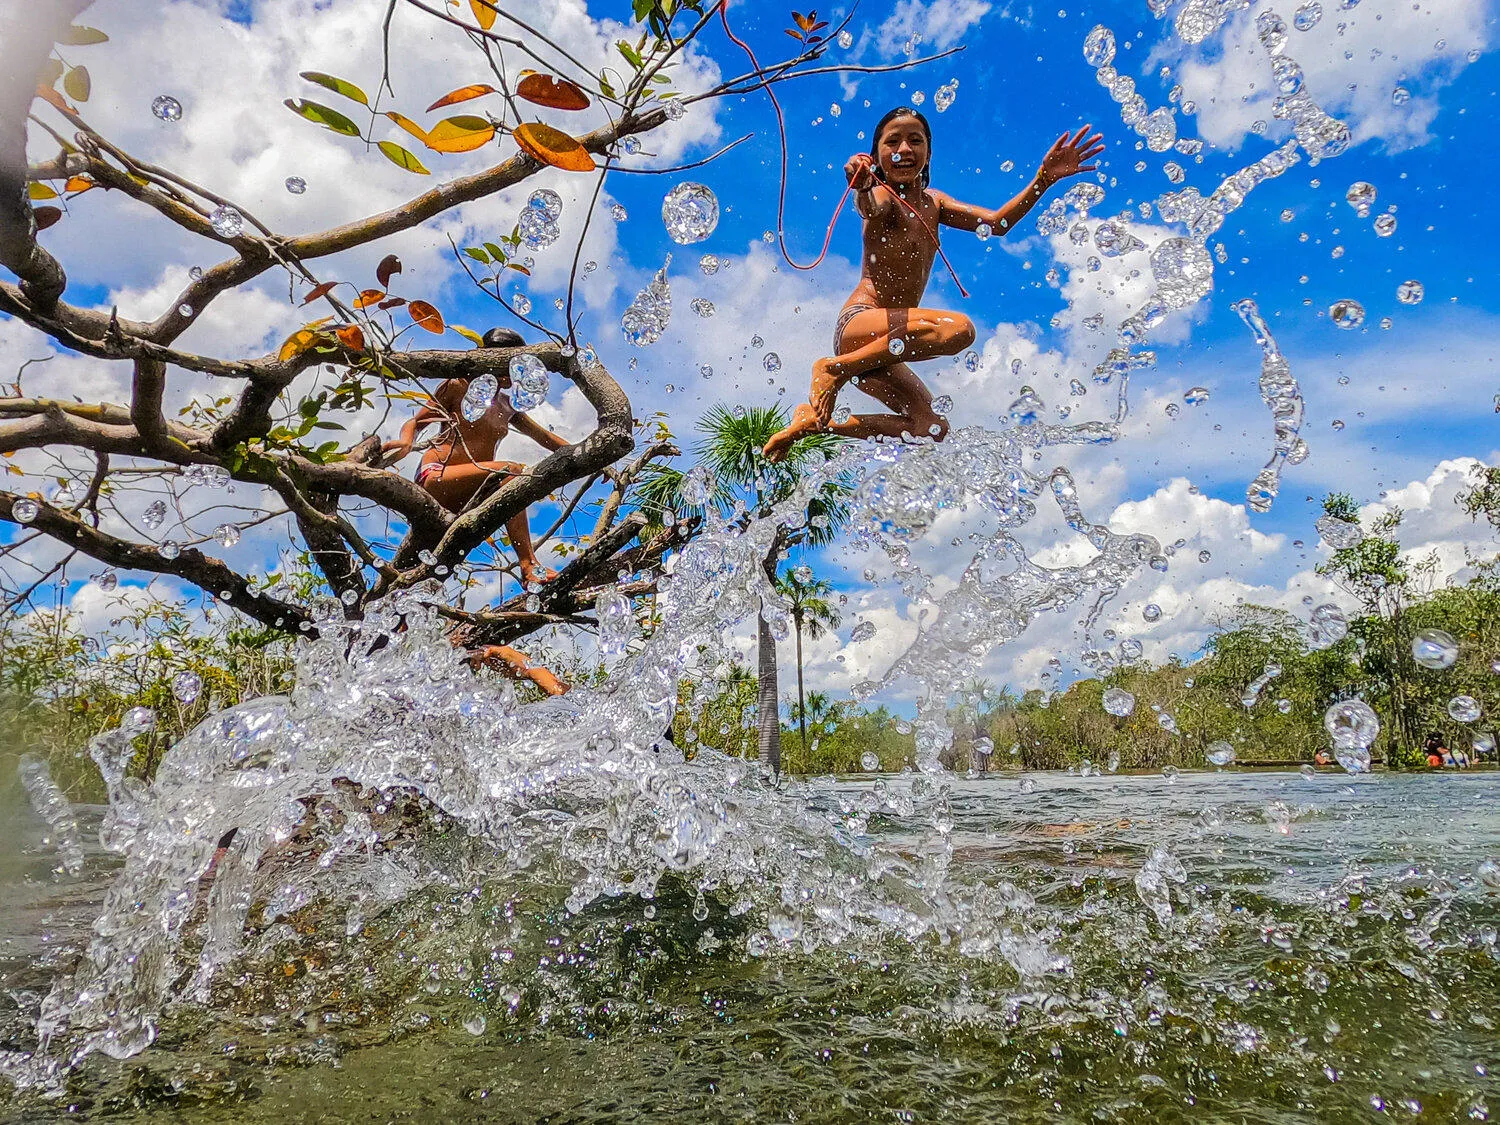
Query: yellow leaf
{"type": "Point", "coordinates": [408, 124]}
{"type": "Point", "coordinates": [40, 191]}
{"type": "Point", "coordinates": [553, 146]}
{"type": "Point", "coordinates": [369, 297]}
{"type": "Point", "coordinates": [425, 316]}
{"type": "Point", "coordinates": [468, 334]}
{"type": "Point", "coordinates": [401, 158]}
{"type": "Point", "coordinates": [78, 184]}
{"type": "Point", "coordinates": [484, 12]}
{"type": "Point", "coordinates": [297, 343]}
{"type": "Point", "coordinates": [460, 134]}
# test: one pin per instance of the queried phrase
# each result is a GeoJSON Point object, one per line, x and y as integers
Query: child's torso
{"type": "Point", "coordinates": [898, 255]}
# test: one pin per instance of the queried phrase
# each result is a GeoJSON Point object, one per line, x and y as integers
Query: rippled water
{"type": "Point", "coordinates": [1330, 948]}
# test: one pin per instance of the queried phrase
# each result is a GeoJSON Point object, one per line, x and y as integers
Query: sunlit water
{"type": "Point", "coordinates": [1330, 950]}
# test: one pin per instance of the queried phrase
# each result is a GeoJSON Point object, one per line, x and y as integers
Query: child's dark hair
{"type": "Point", "coordinates": [891, 115]}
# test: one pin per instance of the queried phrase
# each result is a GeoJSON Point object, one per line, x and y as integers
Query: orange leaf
{"type": "Point", "coordinates": [369, 297]}
{"type": "Point", "coordinates": [352, 336]}
{"type": "Point", "coordinates": [553, 146]}
{"type": "Point", "coordinates": [804, 22]}
{"type": "Point", "coordinates": [53, 98]}
{"type": "Point", "coordinates": [426, 316]}
{"type": "Point", "coordinates": [389, 266]}
{"type": "Point", "coordinates": [297, 343]}
{"type": "Point", "coordinates": [78, 184]}
{"type": "Point", "coordinates": [408, 124]}
{"type": "Point", "coordinates": [484, 12]}
{"type": "Point", "coordinates": [554, 93]}
{"type": "Point", "coordinates": [322, 290]}
{"type": "Point", "coordinates": [46, 216]}
{"type": "Point", "coordinates": [462, 94]}
{"type": "Point", "coordinates": [460, 134]}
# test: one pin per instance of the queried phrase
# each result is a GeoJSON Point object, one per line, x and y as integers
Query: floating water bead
{"type": "Point", "coordinates": [536, 230]}
{"type": "Point", "coordinates": [169, 550]}
{"type": "Point", "coordinates": [548, 202]}
{"type": "Point", "coordinates": [1306, 17]}
{"type": "Point", "coordinates": [697, 486]}
{"type": "Point", "coordinates": [1076, 388]}
{"type": "Point", "coordinates": [186, 687]}
{"type": "Point", "coordinates": [1183, 270]}
{"type": "Point", "coordinates": [1195, 395]}
{"type": "Point", "coordinates": [106, 580]}
{"type": "Point", "coordinates": [1118, 702]}
{"type": "Point", "coordinates": [702, 306]}
{"type": "Point", "coordinates": [154, 515]}
{"type": "Point", "coordinates": [529, 381]}
{"type": "Point", "coordinates": [772, 362]}
{"type": "Point", "coordinates": [25, 510]}
{"type": "Point", "coordinates": [942, 406]}
{"type": "Point", "coordinates": [869, 759]}
{"type": "Point", "coordinates": [709, 264]}
{"type": "Point", "coordinates": [1151, 612]}
{"type": "Point", "coordinates": [226, 221]}
{"type": "Point", "coordinates": [1400, 95]}
{"type": "Point", "coordinates": [1350, 723]}
{"type": "Point", "coordinates": [1463, 709]}
{"type": "Point", "coordinates": [632, 145]}
{"type": "Point", "coordinates": [478, 397]}
{"type": "Point", "coordinates": [521, 303]}
{"type": "Point", "coordinates": [1205, 555]}
{"type": "Point", "coordinates": [1410, 292]}
{"type": "Point", "coordinates": [897, 345]}
{"type": "Point", "coordinates": [971, 360]}
{"type": "Point", "coordinates": [1434, 648]}
{"type": "Point", "coordinates": [618, 213]}
{"type": "Point", "coordinates": [1347, 314]}
{"type": "Point", "coordinates": [296, 185]}
{"type": "Point", "coordinates": [1361, 196]}
{"type": "Point", "coordinates": [647, 316]}
{"type": "Point", "coordinates": [227, 534]}
{"type": "Point", "coordinates": [842, 414]}
{"type": "Point", "coordinates": [1339, 534]}
{"type": "Point", "coordinates": [1219, 753]}
{"type": "Point", "coordinates": [846, 39]}
{"type": "Point", "coordinates": [164, 107]}
{"type": "Point", "coordinates": [982, 232]}
{"type": "Point", "coordinates": [1385, 225]}
{"type": "Point", "coordinates": [690, 213]}
{"type": "Point", "coordinates": [1327, 626]}
{"type": "Point", "coordinates": [1099, 47]}
{"type": "Point", "coordinates": [943, 97]}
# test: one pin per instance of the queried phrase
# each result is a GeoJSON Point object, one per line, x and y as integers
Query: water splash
{"type": "Point", "coordinates": [1279, 391]}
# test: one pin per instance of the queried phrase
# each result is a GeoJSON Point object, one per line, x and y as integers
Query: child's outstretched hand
{"type": "Point", "coordinates": [1067, 155]}
{"type": "Point", "coordinates": [860, 171]}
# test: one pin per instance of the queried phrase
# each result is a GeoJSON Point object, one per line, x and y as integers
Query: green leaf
{"type": "Point", "coordinates": [495, 252]}
{"type": "Point", "coordinates": [632, 56]}
{"type": "Point", "coordinates": [323, 115]}
{"type": "Point", "coordinates": [337, 85]}
{"type": "Point", "coordinates": [77, 36]}
{"type": "Point", "coordinates": [401, 158]}
{"type": "Point", "coordinates": [477, 254]}
{"type": "Point", "coordinates": [76, 84]}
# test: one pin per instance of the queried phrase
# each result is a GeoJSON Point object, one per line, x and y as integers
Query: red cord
{"type": "Point", "coordinates": [781, 199]}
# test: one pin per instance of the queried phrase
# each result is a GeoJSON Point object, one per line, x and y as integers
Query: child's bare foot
{"type": "Point", "coordinates": [535, 573]}
{"type": "Point", "coordinates": [825, 390]}
{"type": "Point", "coordinates": [803, 422]}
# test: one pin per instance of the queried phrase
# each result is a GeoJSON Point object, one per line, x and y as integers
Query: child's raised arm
{"type": "Point", "coordinates": [860, 171]}
{"type": "Point", "coordinates": [1066, 158]}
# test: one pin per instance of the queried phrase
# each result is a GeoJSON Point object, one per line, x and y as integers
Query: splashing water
{"type": "Point", "coordinates": [1279, 391]}
{"type": "Point", "coordinates": [647, 316]}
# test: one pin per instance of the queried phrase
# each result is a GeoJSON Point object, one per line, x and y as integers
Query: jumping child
{"type": "Point", "coordinates": [901, 219]}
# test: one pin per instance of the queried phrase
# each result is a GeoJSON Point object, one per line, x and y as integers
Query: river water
{"type": "Point", "coordinates": [1329, 954]}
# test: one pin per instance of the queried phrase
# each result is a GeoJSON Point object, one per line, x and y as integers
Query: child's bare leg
{"type": "Point", "coordinates": [518, 527]}
{"type": "Point", "coordinates": [898, 387]}
{"type": "Point", "coordinates": [925, 334]}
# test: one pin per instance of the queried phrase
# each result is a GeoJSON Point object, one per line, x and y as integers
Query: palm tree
{"type": "Point", "coordinates": [731, 451]}
{"type": "Point", "coordinates": [977, 700]}
{"type": "Point", "coordinates": [812, 613]}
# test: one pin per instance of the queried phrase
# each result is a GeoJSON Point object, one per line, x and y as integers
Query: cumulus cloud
{"type": "Point", "coordinates": [939, 24]}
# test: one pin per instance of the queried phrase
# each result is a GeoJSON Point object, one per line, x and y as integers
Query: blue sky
{"type": "Point", "coordinates": [1418, 394]}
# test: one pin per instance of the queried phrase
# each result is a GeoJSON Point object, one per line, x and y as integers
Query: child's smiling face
{"type": "Point", "coordinates": [902, 150]}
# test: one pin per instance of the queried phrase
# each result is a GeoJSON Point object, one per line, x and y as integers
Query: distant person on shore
{"type": "Point", "coordinates": [882, 320]}
{"type": "Point", "coordinates": [1438, 755]}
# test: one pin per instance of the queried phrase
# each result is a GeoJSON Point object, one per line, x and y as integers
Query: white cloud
{"type": "Point", "coordinates": [940, 24]}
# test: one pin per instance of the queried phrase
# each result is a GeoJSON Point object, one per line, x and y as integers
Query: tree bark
{"type": "Point", "coordinates": [770, 720]}
{"type": "Point", "coordinates": [801, 700]}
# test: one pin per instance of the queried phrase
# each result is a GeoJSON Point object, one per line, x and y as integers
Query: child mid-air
{"type": "Point", "coordinates": [901, 219]}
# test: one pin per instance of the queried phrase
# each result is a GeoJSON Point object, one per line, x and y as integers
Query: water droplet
{"type": "Point", "coordinates": [164, 107]}
{"type": "Point", "coordinates": [1385, 225]}
{"type": "Point", "coordinates": [25, 510]}
{"type": "Point", "coordinates": [771, 362]}
{"type": "Point", "coordinates": [106, 580]}
{"type": "Point", "coordinates": [971, 360]}
{"type": "Point", "coordinates": [1306, 17]}
{"type": "Point", "coordinates": [475, 1025]}
{"type": "Point", "coordinates": [942, 406]}
{"type": "Point", "coordinates": [982, 232]}
{"type": "Point", "coordinates": [697, 486]}
{"type": "Point", "coordinates": [1219, 753]}
{"type": "Point", "coordinates": [862, 632]}
{"type": "Point", "coordinates": [1347, 314]}
{"type": "Point", "coordinates": [1410, 292]}
{"type": "Point", "coordinates": [1464, 709]}
{"type": "Point", "coordinates": [1327, 626]}
{"type": "Point", "coordinates": [632, 145]}
{"type": "Point", "coordinates": [186, 687]}
{"type": "Point", "coordinates": [1434, 648]}
{"type": "Point", "coordinates": [296, 185]}
{"type": "Point", "coordinates": [154, 515]}
{"type": "Point", "coordinates": [943, 96]}
{"type": "Point", "coordinates": [690, 212]}
{"type": "Point", "coordinates": [227, 534]}
{"type": "Point", "coordinates": [647, 316]}
{"type": "Point", "coordinates": [618, 213]}
{"type": "Point", "coordinates": [709, 264]}
{"type": "Point", "coordinates": [1151, 612]}
{"type": "Point", "coordinates": [1195, 395]}
{"type": "Point", "coordinates": [226, 221]}
{"type": "Point", "coordinates": [846, 39]}
{"type": "Point", "coordinates": [548, 202]}
{"type": "Point", "coordinates": [1183, 270]}
{"type": "Point", "coordinates": [1118, 702]}
{"type": "Point", "coordinates": [169, 550]}
{"type": "Point", "coordinates": [1099, 47]}
{"type": "Point", "coordinates": [521, 303]}
{"type": "Point", "coordinates": [1400, 95]}
{"type": "Point", "coordinates": [1205, 555]}
{"type": "Point", "coordinates": [529, 382]}
{"type": "Point", "coordinates": [702, 306]}
{"type": "Point", "coordinates": [870, 761]}
{"type": "Point", "coordinates": [1351, 723]}
{"type": "Point", "coordinates": [536, 230]}
{"type": "Point", "coordinates": [196, 273]}
{"type": "Point", "coordinates": [478, 397]}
